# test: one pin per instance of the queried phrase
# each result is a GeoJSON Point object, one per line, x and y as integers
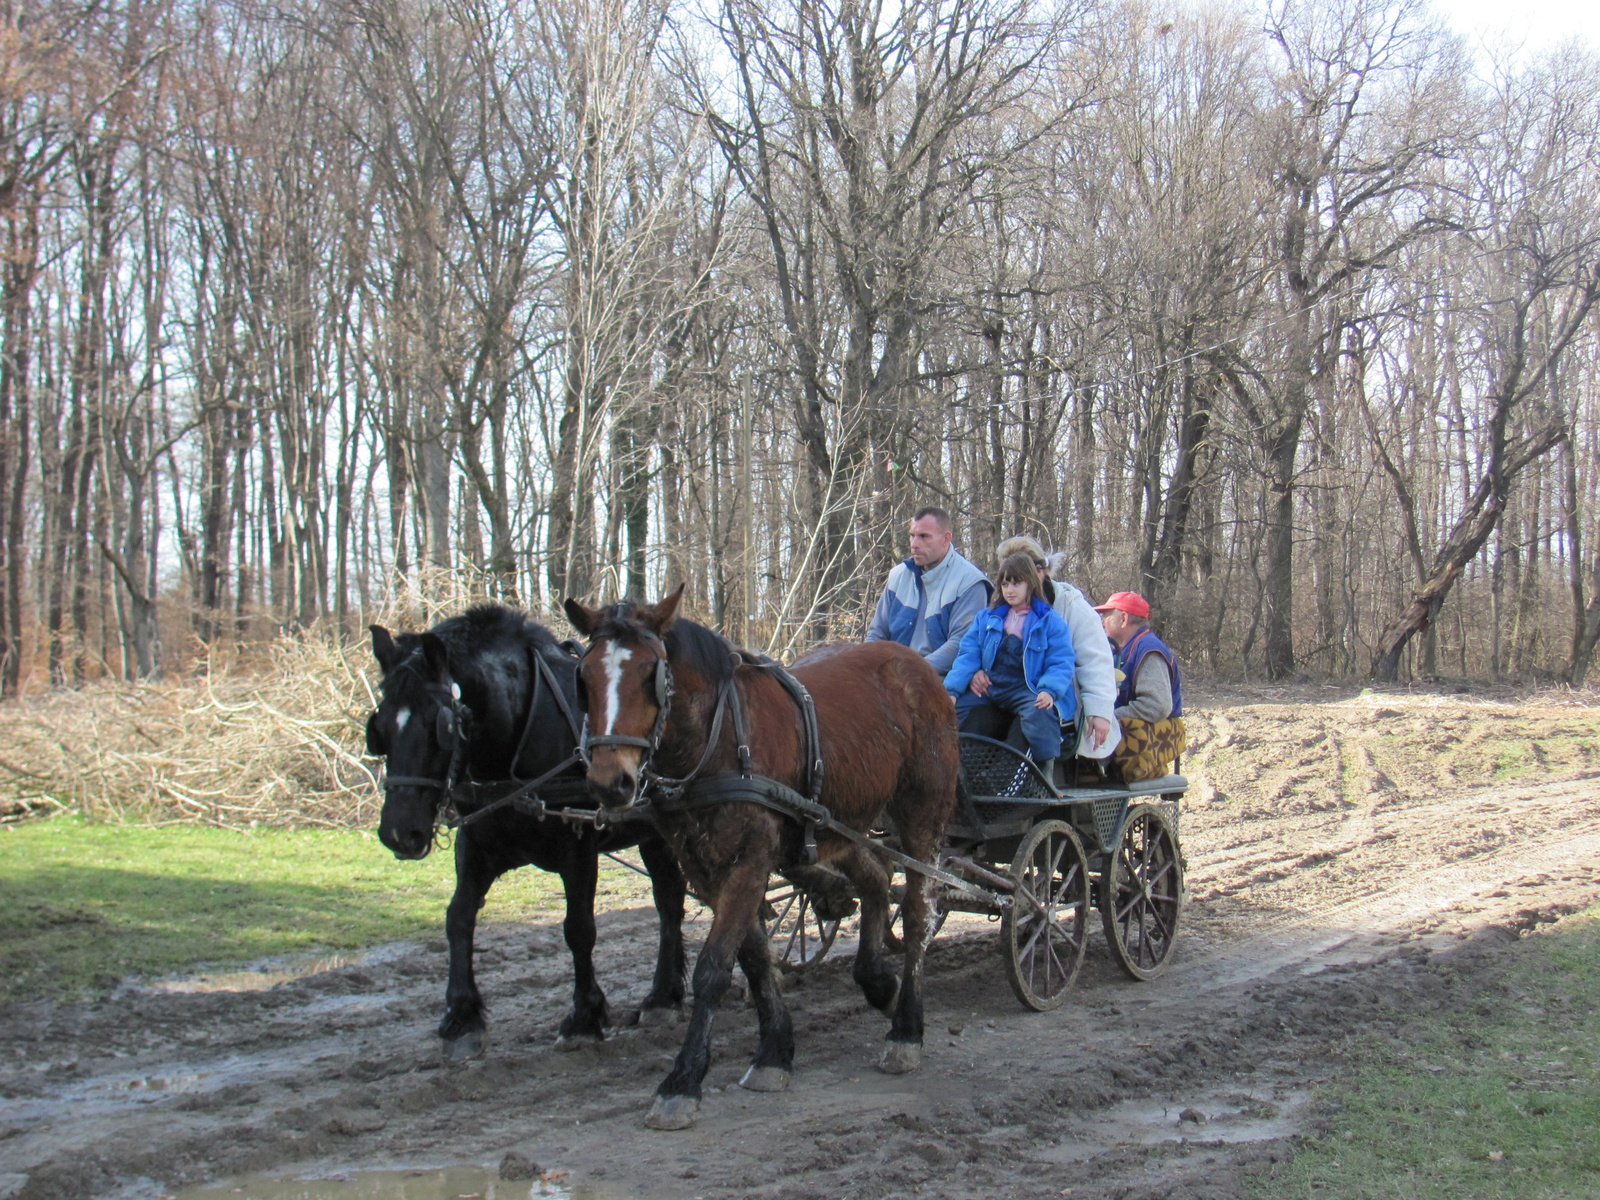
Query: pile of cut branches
{"type": "Point", "coordinates": [281, 745]}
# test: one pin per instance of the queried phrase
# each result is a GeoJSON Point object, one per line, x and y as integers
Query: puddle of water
{"type": "Point", "coordinates": [432, 1183]}
{"type": "Point", "coordinates": [114, 1091]}
{"type": "Point", "coordinates": [269, 973]}
{"type": "Point", "coordinates": [355, 1003]}
{"type": "Point", "coordinates": [1234, 1117]}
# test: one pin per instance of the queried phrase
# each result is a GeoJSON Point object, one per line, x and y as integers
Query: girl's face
{"type": "Point", "coordinates": [1015, 592]}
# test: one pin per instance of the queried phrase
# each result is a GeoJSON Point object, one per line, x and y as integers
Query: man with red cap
{"type": "Point", "coordinates": [1149, 692]}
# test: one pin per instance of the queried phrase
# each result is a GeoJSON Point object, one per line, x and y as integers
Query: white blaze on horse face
{"type": "Point", "coordinates": [400, 719]}
{"type": "Point", "coordinates": [613, 659]}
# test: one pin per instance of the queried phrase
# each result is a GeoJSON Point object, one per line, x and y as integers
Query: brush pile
{"type": "Point", "coordinates": [279, 744]}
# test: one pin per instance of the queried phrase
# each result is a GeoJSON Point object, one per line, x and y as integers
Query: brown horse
{"type": "Point", "coordinates": [658, 695]}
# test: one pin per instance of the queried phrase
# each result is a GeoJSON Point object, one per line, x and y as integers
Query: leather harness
{"type": "Point", "coordinates": [692, 791]}
{"type": "Point", "coordinates": [501, 793]}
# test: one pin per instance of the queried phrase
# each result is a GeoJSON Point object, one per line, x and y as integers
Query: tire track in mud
{"type": "Point", "coordinates": [1559, 824]}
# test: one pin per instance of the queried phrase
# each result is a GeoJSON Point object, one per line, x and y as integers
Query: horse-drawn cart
{"type": "Point", "coordinates": [1040, 856]}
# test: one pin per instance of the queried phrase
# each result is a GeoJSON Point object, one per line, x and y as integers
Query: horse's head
{"type": "Point", "coordinates": [418, 728]}
{"type": "Point", "coordinates": [626, 684]}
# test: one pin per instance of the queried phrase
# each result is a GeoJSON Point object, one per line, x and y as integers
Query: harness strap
{"type": "Point", "coordinates": [457, 821]}
{"type": "Point", "coordinates": [670, 788]}
{"type": "Point", "coordinates": [413, 781]}
{"type": "Point", "coordinates": [758, 789]}
{"type": "Point", "coordinates": [741, 731]}
{"type": "Point", "coordinates": [808, 719]}
{"type": "Point", "coordinates": [540, 673]}
{"type": "Point", "coordinates": [769, 793]}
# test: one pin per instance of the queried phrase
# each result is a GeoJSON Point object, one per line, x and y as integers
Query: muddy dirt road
{"type": "Point", "coordinates": [1351, 865]}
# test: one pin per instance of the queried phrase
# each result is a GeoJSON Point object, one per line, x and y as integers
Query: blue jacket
{"type": "Point", "coordinates": [1048, 659]}
{"type": "Point", "coordinates": [930, 610]}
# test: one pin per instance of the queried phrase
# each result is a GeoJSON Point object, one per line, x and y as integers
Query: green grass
{"type": "Point", "coordinates": [1511, 758]}
{"type": "Point", "coordinates": [1499, 1101]}
{"type": "Point", "coordinates": [87, 905]}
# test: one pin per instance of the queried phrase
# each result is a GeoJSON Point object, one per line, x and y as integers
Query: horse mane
{"type": "Point", "coordinates": [483, 624]}
{"type": "Point", "coordinates": [466, 637]}
{"type": "Point", "coordinates": [688, 643]}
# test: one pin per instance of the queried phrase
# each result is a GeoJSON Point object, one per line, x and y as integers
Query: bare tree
{"type": "Point", "coordinates": [1537, 241]}
{"type": "Point", "coordinates": [1365, 101]}
{"type": "Point", "coordinates": [849, 128]}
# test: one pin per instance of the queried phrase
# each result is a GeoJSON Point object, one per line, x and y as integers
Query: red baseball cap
{"type": "Point", "coordinates": [1131, 603]}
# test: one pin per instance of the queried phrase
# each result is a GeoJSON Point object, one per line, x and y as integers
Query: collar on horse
{"type": "Point", "coordinates": [452, 725]}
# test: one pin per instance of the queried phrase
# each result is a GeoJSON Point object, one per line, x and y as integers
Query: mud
{"type": "Point", "coordinates": [1344, 877]}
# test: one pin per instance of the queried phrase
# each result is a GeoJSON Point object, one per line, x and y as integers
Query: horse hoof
{"type": "Point", "coordinates": [566, 1043]}
{"type": "Point", "coordinates": [468, 1046]}
{"type": "Point", "coordinates": [899, 1058]}
{"type": "Point", "coordinates": [672, 1112]}
{"type": "Point", "coordinates": [765, 1079]}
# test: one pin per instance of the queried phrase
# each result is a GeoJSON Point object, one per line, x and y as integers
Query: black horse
{"type": "Point", "coordinates": [473, 709]}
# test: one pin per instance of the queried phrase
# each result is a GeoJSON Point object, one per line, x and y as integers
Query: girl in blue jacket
{"type": "Point", "coordinates": [1016, 660]}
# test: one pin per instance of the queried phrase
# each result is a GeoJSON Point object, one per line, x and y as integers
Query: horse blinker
{"type": "Point", "coordinates": [663, 683]}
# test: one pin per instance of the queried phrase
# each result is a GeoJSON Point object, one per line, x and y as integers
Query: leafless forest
{"type": "Point", "coordinates": [1283, 315]}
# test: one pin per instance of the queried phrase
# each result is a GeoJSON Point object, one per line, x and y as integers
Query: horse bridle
{"type": "Point", "coordinates": [728, 701]}
{"type": "Point", "coordinates": [663, 696]}
{"type": "Point", "coordinates": [450, 723]}
{"type": "Point", "coordinates": [448, 728]}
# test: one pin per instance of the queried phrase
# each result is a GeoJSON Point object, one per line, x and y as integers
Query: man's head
{"type": "Point", "coordinates": [1123, 615]}
{"type": "Point", "coordinates": [1023, 544]}
{"type": "Point", "coordinates": [930, 537]}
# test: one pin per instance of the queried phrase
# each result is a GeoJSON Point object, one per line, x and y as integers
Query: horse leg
{"type": "Point", "coordinates": [921, 831]}
{"type": "Point", "coordinates": [667, 886]}
{"type": "Point", "coordinates": [678, 1098]}
{"type": "Point", "coordinates": [904, 1050]}
{"type": "Point", "coordinates": [773, 1063]}
{"type": "Point", "coordinates": [462, 1026]}
{"type": "Point", "coordinates": [872, 971]}
{"type": "Point", "coordinates": [586, 1022]}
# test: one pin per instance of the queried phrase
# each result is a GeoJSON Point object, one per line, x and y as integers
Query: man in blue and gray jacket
{"type": "Point", "coordinates": [932, 598]}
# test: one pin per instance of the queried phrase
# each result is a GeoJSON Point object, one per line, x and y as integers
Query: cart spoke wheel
{"type": "Point", "coordinates": [797, 935]}
{"type": "Point", "coordinates": [1044, 931]}
{"type": "Point", "coordinates": [1141, 894]}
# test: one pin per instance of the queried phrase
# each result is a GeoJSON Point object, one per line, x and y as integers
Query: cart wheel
{"type": "Point", "coordinates": [1045, 929]}
{"type": "Point", "coordinates": [797, 935]}
{"type": "Point", "coordinates": [1141, 893]}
